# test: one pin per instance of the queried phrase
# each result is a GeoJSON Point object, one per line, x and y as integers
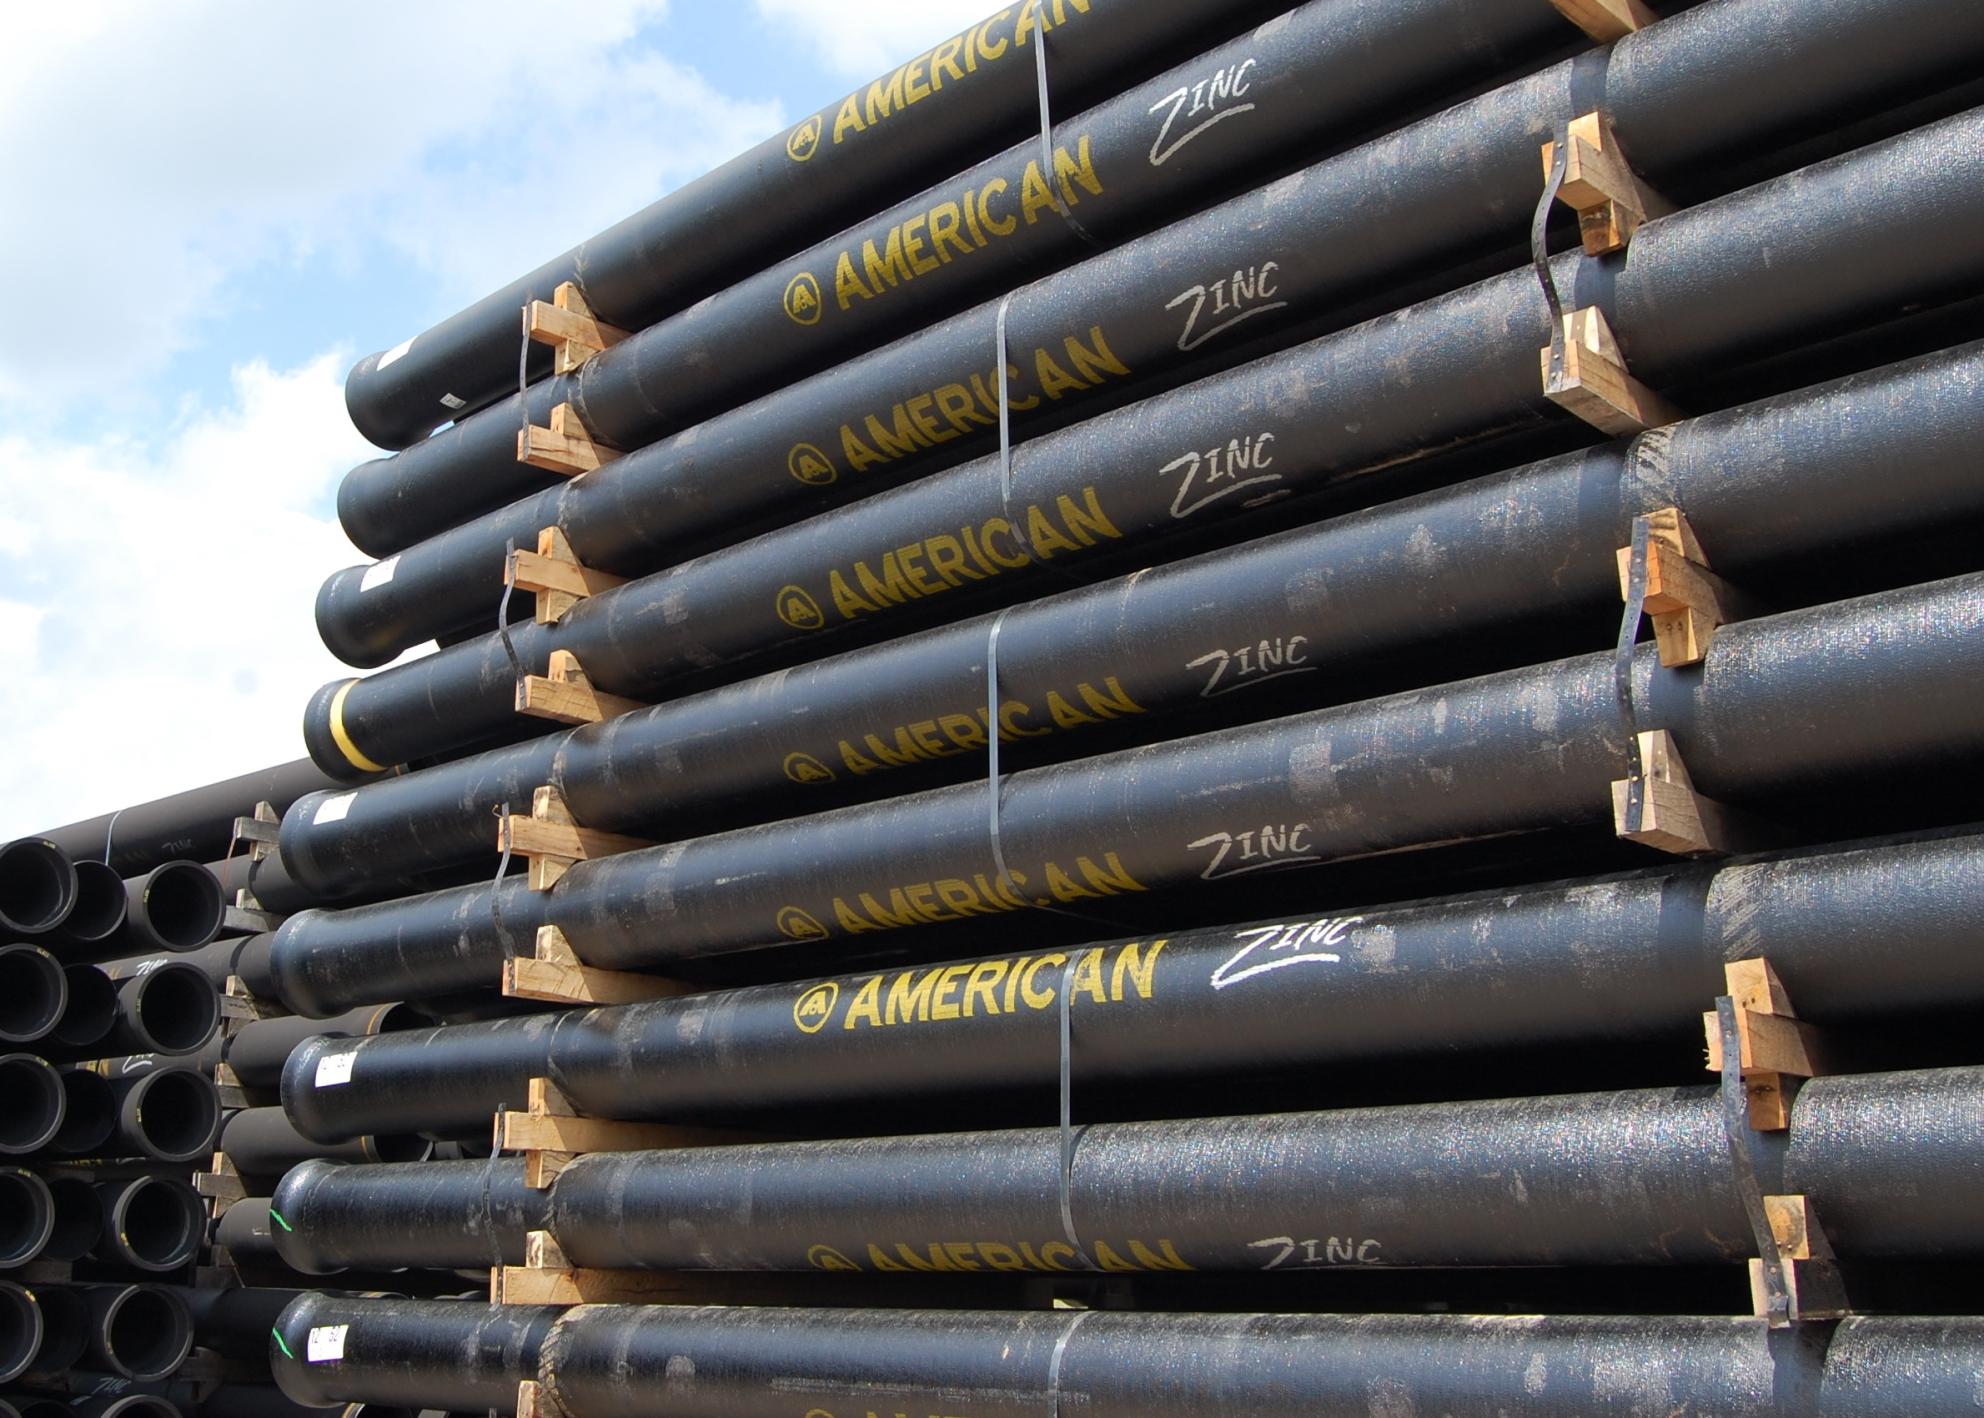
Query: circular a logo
{"type": "Point", "coordinates": [810, 465]}
{"type": "Point", "coordinates": [805, 769]}
{"type": "Point", "coordinates": [795, 924]}
{"type": "Point", "coordinates": [812, 1010]}
{"type": "Point", "coordinates": [798, 609]}
{"type": "Point", "coordinates": [827, 1258]}
{"type": "Point", "coordinates": [802, 298]}
{"type": "Point", "coordinates": [802, 142]}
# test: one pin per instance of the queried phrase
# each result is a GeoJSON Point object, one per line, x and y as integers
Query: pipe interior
{"type": "Point", "coordinates": [100, 903]}
{"type": "Point", "coordinates": [177, 1008]}
{"type": "Point", "coordinates": [20, 1330]}
{"type": "Point", "coordinates": [78, 1219]}
{"type": "Point", "coordinates": [177, 1113]}
{"type": "Point", "coordinates": [91, 1010]}
{"type": "Point", "coordinates": [32, 996]}
{"type": "Point", "coordinates": [30, 1103]}
{"type": "Point", "coordinates": [26, 1216]}
{"type": "Point", "coordinates": [89, 1113]}
{"type": "Point", "coordinates": [183, 905]}
{"type": "Point", "coordinates": [161, 1223]}
{"type": "Point", "coordinates": [146, 1331]}
{"type": "Point", "coordinates": [37, 886]}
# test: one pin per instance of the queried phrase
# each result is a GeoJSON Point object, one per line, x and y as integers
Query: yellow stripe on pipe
{"type": "Point", "coordinates": [343, 739]}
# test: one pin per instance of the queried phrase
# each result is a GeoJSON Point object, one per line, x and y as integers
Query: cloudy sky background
{"type": "Point", "coordinates": [213, 207]}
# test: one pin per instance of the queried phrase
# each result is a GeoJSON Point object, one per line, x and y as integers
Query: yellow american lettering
{"type": "Point", "coordinates": [1111, 882]}
{"type": "Point", "coordinates": [856, 762]}
{"type": "Point", "coordinates": [1040, 999]}
{"type": "Point", "coordinates": [847, 283]}
{"type": "Point", "coordinates": [1058, 883]}
{"type": "Point", "coordinates": [846, 601]}
{"type": "Point", "coordinates": [864, 1005]}
{"type": "Point", "coordinates": [859, 455]}
{"type": "Point", "coordinates": [1138, 968]}
{"type": "Point", "coordinates": [1054, 380]}
{"type": "Point", "coordinates": [1086, 519]}
{"type": "Point", "coordinates": [1044, 537]}
{"type": "Point", "coordinates": [1066, 716]}
{"type": "Point", "coordinates": [906, 1003]}
{"type": "Point", "coordinates": [1095, 361]}
{"type": "Point", "coordinates": [1166, 1256]}
{"type": "Point", "coordinates": [998, 226]}
{"type": "Point", "coordinates": [943, 1004]}
{"type": "Point", "coordinates": [849, 921]}
{"type": "Point", "coordinates": [981, 983]}
{"type": "Point", "coordinates": [891, 588]}
{"type": "Point", "coordinates": [1110, 705]}
{"type": "Point", "coordinates": [1076, 169]}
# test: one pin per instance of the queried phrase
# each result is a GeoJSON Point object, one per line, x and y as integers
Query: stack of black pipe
{"type": "Point", "coordinates": [1132, 688]}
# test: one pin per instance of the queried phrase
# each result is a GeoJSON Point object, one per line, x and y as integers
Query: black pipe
{"type": "Point", "coordinates": [1869, 930]}
{"type": "Point", "coordinates": [613, 1361]}
{"type": "Point", "coordinates": [1882, 454]}
{"type": "Point", "coordinates": [242, 1400]}
{"type": "Point", "coordinates": [89, 1014]}
{"type": "Point", "coordinates": [27, 1216]}
{"type": "Point", "coordinates": [66, 1324]}
{"type": "Point", "coordinates": [924, 121]}
{"type": "Point", "coordinates": [262, 1142]}
{"type": "Point", "coordinates": [89, 1113]}
{"type": "Point", "coordinates": [440, 1215]}
{"type": "Point", "coordinates": [33, 993]}
{"type": "Point", "coordinates": [99, 913]}
{"type": "Point", "coordinates": [197, 823]}
{"type": "Point", "coordinates": [416, 1352]}
{"type": "Point", "coordinates": [1596, 1178]}
{"type": "Point", "coordinates": [214, 960]}
{"type": "Point", "coordinates": [171, 1009]}
{"type": "Point", "coordinates": [165, 1112]}
{"type": "Point", "coordinates": [37, 886]}
{"type": "Point", "coordinates": [126, 1405]}
{"type": "Point", "coordinates": [236, 1320]}
{"type": "Point", "coordinates": [1685, 96]}
{"type": "Point", "coordinates": [78, 1218]}
{"type": "Point", "coordinates": [1690, 301]}
{"type": "Point", "coordinates": [138, 1332]}
{"type": "Point", "coordinates": [20, 1330]}
{"type": "Point", "coordinates": [31, 1103]}
{"type": "Point", "coordinates": [1322, 74]}
{"type": "Point", "coordinates": [174, 907]}
{"type": "Point", "coordinates": [153, 1224]}
{"type": "Point", "coordinates": [245, 1231]}
{"type": "Point", "coordinates": [258, 1050]}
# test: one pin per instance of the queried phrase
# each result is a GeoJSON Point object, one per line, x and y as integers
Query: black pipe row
{"type": "Point", "coordinates": [1690, 300]}
{"type": "Point", "coordinates": [1881, 687]}
{"type": "Point", "coordinates": [137, 1106]}
{"type": "Point", "coordinates": [1323, 245]}
{"type": "Point", "coordinates": [1891, 1161]}
{"type": "Point", "coordinates": [1878, 929]}
{"type": "Point", "coordinates": [1284, 95]}
{"type": "Point", "coordinates": [720, 1362]}
{"type": "Point", "coordinates": [970, 95]}
{"type": "Point", "coordinates": [196, 824]}
{"type": "Point", "coordinates": [150, 1223]}
{"type": "Point", "coordinates": [1883, 454]}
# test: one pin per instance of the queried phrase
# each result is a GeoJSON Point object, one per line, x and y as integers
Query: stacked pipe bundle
{"type": "Point", "coordinates": [1091, 737]}
{"type": "Point", "coordinates": [125, 1088]}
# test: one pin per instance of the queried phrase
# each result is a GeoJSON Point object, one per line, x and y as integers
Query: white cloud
{"type": "Point", "coordinates": [864, 40]}
{"type": "Point", "coordinates": [155, 611]}
{"type": "Point", "coordinates": [171, 147]}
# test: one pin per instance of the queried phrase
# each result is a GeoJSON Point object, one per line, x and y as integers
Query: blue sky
{"type": "Point", "coordinates": [214, 206]}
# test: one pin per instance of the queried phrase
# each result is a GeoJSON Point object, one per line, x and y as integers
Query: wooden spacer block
{"type": "Point", "coordinates": [1610, 199]}
{"type": "Point", "coordinates": [554, 575]}
{"type": "Point", "coordinates": [536, 1402]}
{"type": "Point", "coordinates": [1795, 1225]}
{"type": "Point", "coordinates": [1606, 20]}
{"type": "Point", "coordinates": [1594, 383]}
{"type": "Point", "coordinates": [553, 842]}
{"type": "Point", "coordinates": [556, 975]}
{"type": "Point", "coordinates": [565, 447]}
{"type": "Point", "coordinates": [567, 696]}
{"type": "Point", "coordinates": [1685, 600]}
{"type": "Point", "coordinates": [568, 325]}
{"type": "Point", "coordinates": [551, 1134]}
{"type": "Point", "coordinates": [1775, 1045]}
{"type": "Point", "coordinates": [1673, 817]}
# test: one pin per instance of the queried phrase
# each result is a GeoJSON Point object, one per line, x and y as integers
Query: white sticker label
{"type": "Point", "coordinates": [395, 352]}
{"type": "Point", "coordinates": [452, 403]}
{"type": "Point", "coordinates": [332, 809]}
{"type": "Point", "coordinates": [333, 1069]}
{"type": "Point", "coordinates": [326, 1343]}
{"type": "Point", "coordinates": [378, 573]}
